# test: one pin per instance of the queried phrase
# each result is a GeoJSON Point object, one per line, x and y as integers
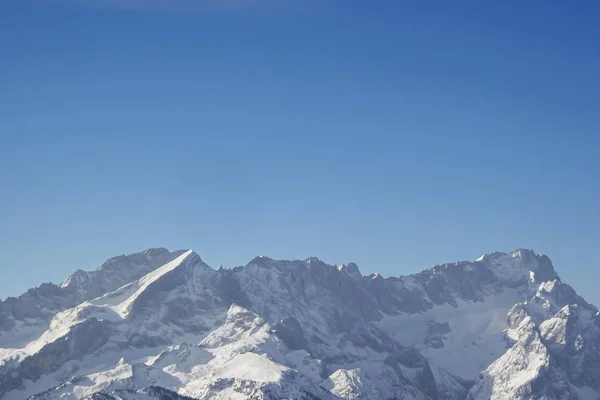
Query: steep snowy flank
{"type": "Point", "coordinates": [27, 316]}
{"type": "Point", "coordinates": [161, 325]}
{"type": "Point", "coordinates": [136, 319]}
{"type": "Point", "coordinates": [123, 299]}
{"type": "Point", "coordinates": [556, 354]}
{"type": "Point", "coordinates": [458, 311]}
{"type": "Point", "coordinates": [116, 272]}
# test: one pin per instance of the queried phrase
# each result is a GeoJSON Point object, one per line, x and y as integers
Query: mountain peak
{"type": "Point", "coordinates": [261, 260]}
{"type": "Point", "coordinates": [313, 260]}
{"type": "Point", "coordinates": [519, 265]}
{"type": "Point", "coordinates": [152, 256]}
{"type": "Point", "coordinates": [518, 253]}
{"type": "Point", "coordinates": [351, 269]}
{"type": "Point", "coordinates": [115, 272]}
{"type": "Point", "coordinates": [155, 251]}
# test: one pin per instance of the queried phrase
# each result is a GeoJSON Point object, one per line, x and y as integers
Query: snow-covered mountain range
{"type": "Point", "coordinates": [164, 325]}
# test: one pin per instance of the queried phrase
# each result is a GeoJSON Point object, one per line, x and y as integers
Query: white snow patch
{"type": "Point", "coordinates": [476, 337]}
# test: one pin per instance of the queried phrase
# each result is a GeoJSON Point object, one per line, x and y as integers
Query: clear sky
{"type": "Point", "coordinates": [393, 134]}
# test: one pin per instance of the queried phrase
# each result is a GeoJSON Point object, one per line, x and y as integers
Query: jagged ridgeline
{"type": "Point", "coordinates": [164, 325]}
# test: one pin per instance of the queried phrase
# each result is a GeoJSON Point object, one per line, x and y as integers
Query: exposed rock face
{"type": "Point", "coordinates": [290, 331]}
{"type": "Point", "coordinates": [161, 325]}
{"type": "Point", "coordinates": [39, 305]}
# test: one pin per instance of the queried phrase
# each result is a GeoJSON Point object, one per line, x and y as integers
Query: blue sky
{"type": "Point", "coordinates": [392, 134]}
